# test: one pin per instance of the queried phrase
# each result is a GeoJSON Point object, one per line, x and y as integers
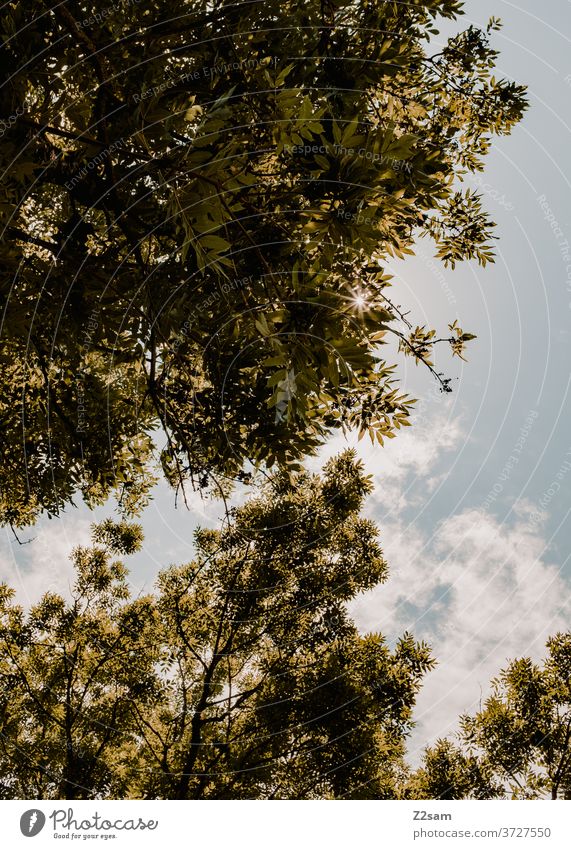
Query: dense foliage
{"type": "Point", "coordinates": [524, 728]}
{"type": "Point", "coordinates": [448, 772]}
{"type": "Point", "coordinates": [198, 202]}
{"type": "Point", "coordinates": [241, 677]}
{"type": "Point", "coordinates": [518, 745]}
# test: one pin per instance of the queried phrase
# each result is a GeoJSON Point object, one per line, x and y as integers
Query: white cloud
{"type": "Point", "coordinates": [481, 592]}
{"type": "Point", "coordinates": [42, 564]}
{"type": "Point", "coordinates": [503, 601]}
{"type": "Point", "coordinates": [412, 456]}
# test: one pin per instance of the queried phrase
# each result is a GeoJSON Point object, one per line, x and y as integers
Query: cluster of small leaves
{"type": "Point", "coordinates": [463, 230]}
{"type": "Point", "coordinates": [241, 677]}
{"type": "Point", "coordinates": [459, 339]}
{"type": "Point", "coordinates": [420, 342]}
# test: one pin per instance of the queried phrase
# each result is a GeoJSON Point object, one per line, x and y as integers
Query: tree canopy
{"type": "Point", "coordinates": [449, 772]}
{"type": "Point", "coordinates": [517, 745]}
{"type": "Point", "coordinates": [241, 677]}
{"type": "Point", "coordinates": [523, 731]}
{"type": "Point", "coordinates": [198, 203]}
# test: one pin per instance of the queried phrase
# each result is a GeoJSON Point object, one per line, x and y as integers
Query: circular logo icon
{"type": "Point", "coordinates": [32, 822]}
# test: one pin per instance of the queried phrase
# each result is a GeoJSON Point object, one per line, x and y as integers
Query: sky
{"type": "Point", "coordinates": [472, 502]}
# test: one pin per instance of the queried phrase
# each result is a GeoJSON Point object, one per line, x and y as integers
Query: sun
{"type": "Point", "coordinates": [359, 300]}
{"type": "Point", "coordinates": [355, 298]}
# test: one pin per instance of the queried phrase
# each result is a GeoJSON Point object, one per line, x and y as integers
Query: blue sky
{"type": "Point", "coordinates": [473, 502]}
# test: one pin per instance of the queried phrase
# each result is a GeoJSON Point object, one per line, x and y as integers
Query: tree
{"type": "Point", "coordinates": [517, 745]}
{"type": "Point", "coordinates": [70, 674]}
{"type": "Point", "coordinates": [447, 772]}
{"type": "Point", "coordinates": [523, 731]}
{"type": "Point", "coordinates": [241, 677]}
{"type": "Point", "coordinates": [195, 228]}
